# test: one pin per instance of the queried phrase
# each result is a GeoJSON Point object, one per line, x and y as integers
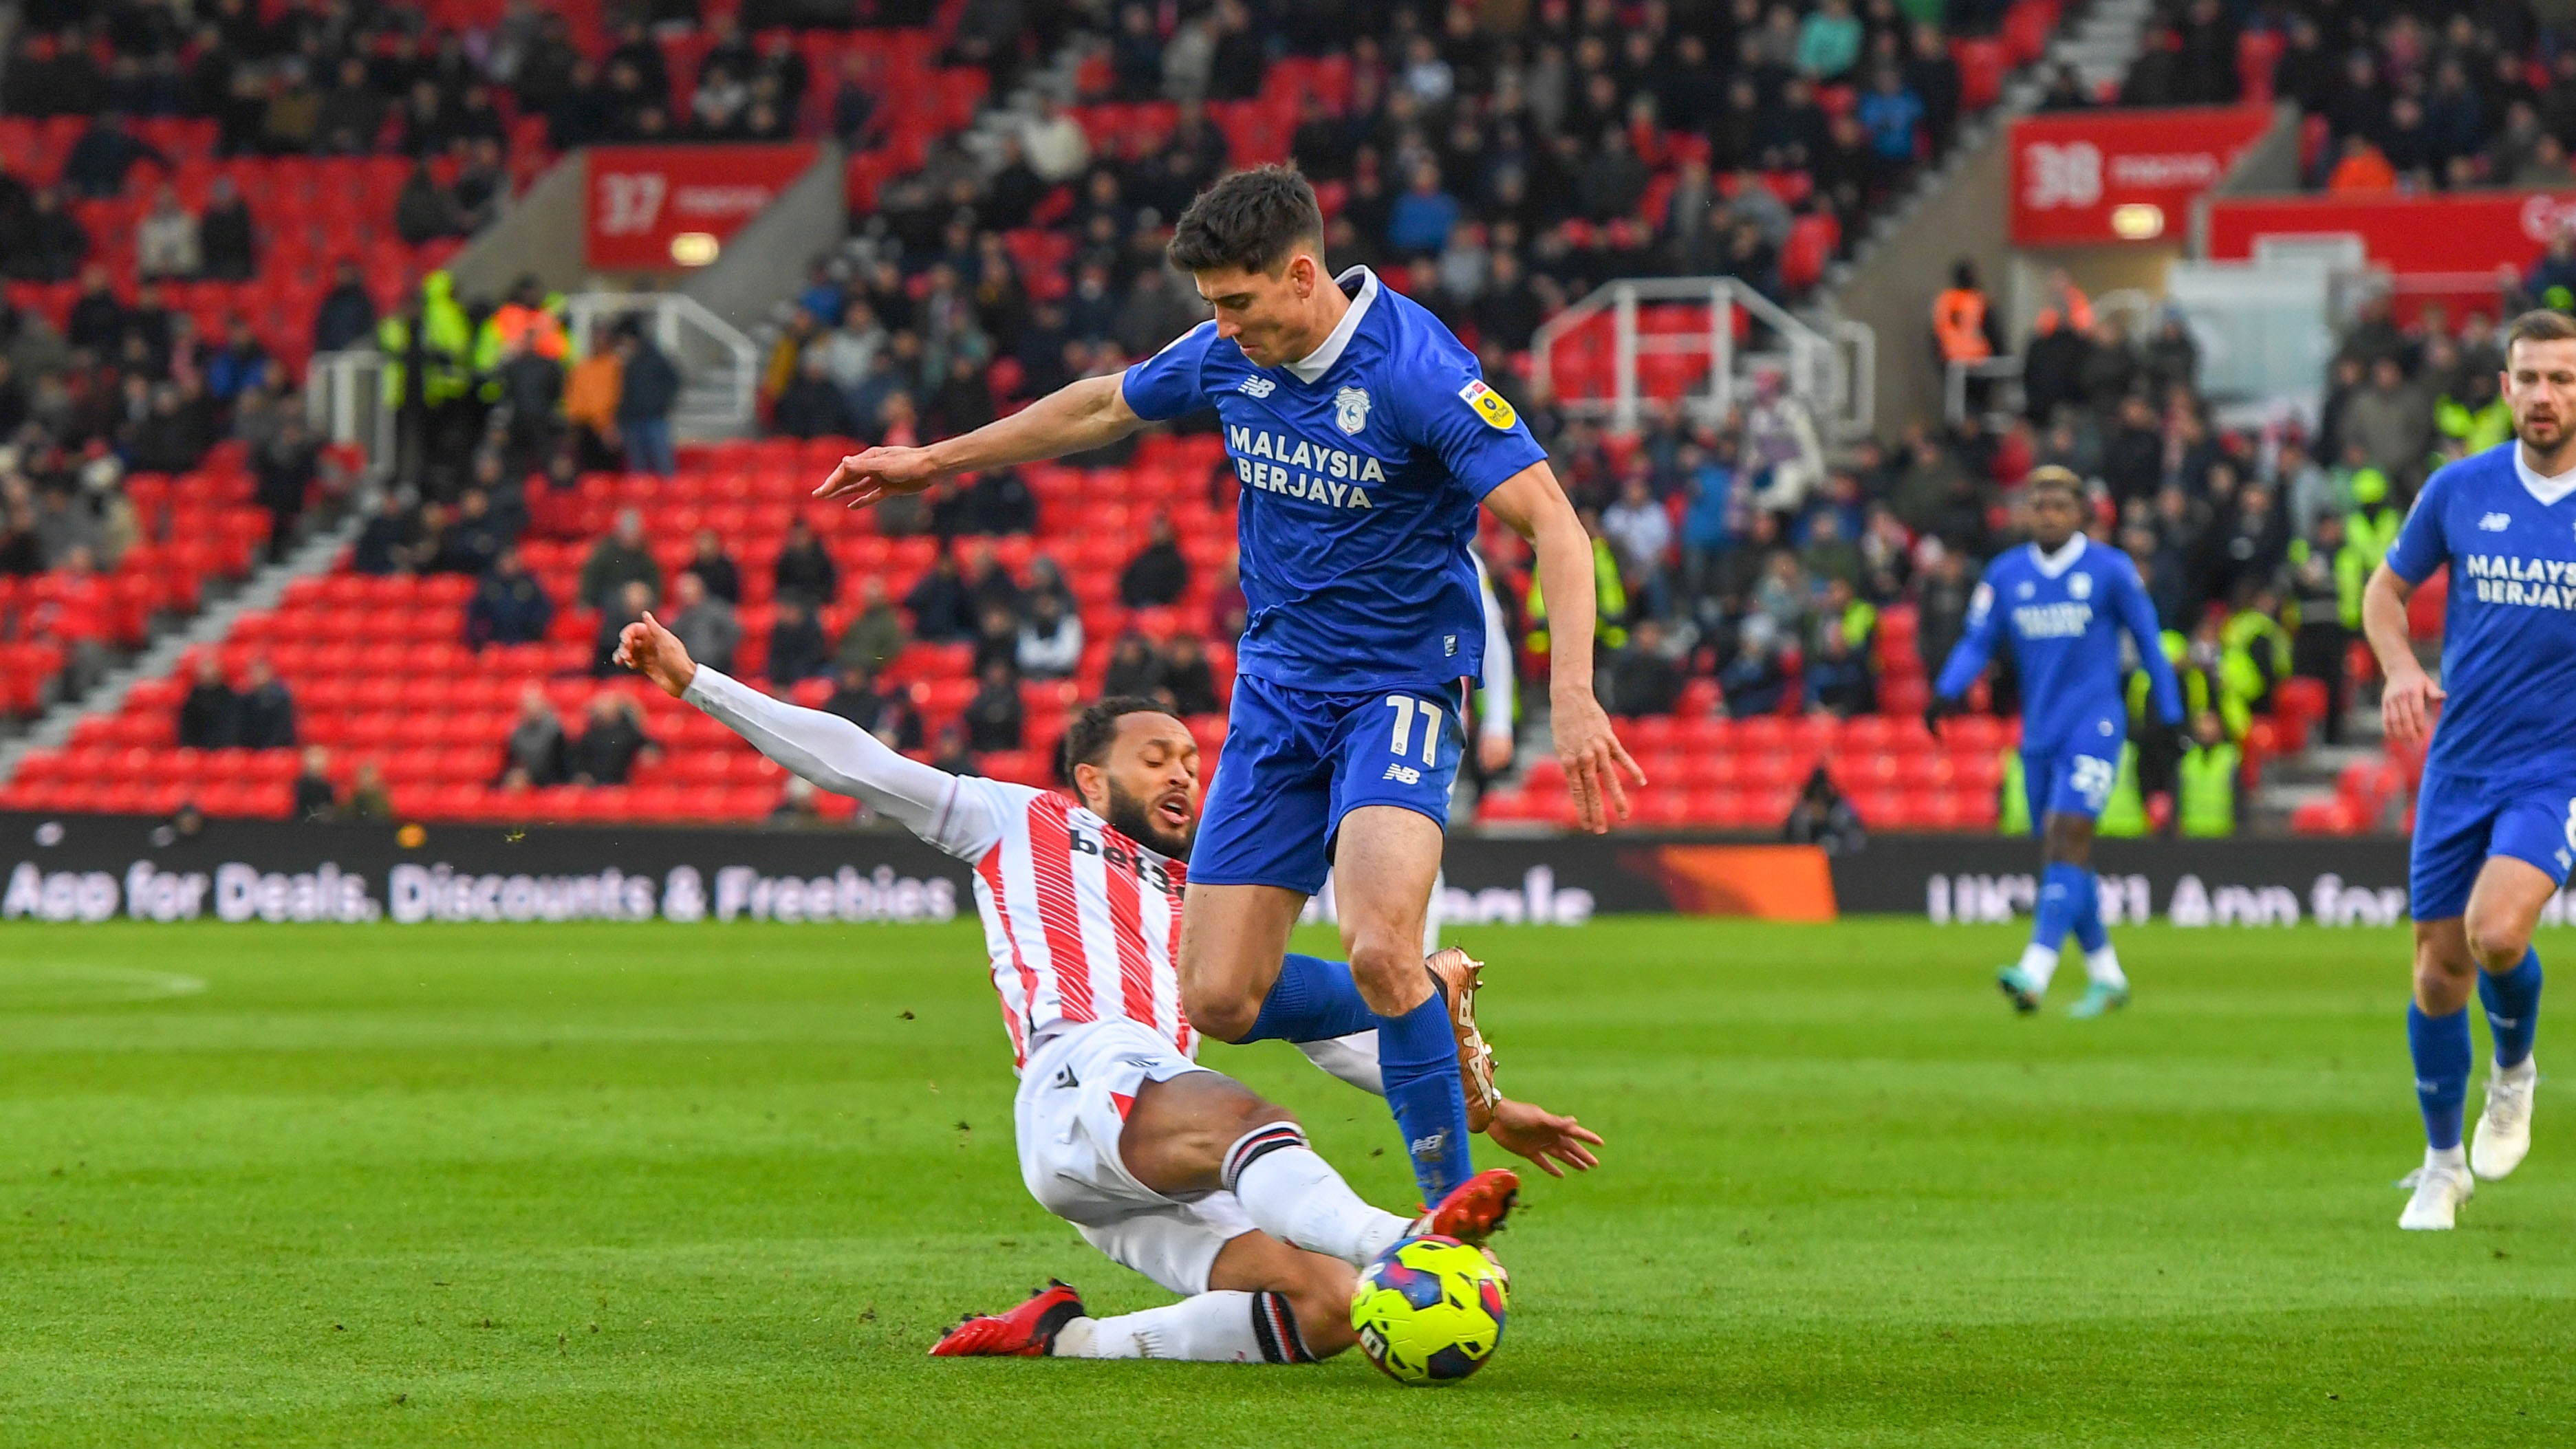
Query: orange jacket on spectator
{"type": "Point", "coordinates": [2361, 172]}
{"type": "Point", "coordinates": [1959, 325]}
{"type": "Point", "coordinates": [590, 392]}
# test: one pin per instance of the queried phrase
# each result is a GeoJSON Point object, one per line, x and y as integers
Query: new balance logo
{"type": "Point", "coordinates": [1428, 1147]}
{"type": "Point", "coordinates": [1257, 387]}
{"type": "Point", "coordinates": [1406, 773]}
{"type": "Point", "coordinates": [2496, 522]}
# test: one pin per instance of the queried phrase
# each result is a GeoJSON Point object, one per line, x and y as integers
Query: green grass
{"type": "Point", "coordinates": [672, 1185]}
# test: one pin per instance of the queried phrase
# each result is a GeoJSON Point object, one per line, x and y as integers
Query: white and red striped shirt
{"type": "Point", "coordinates": [1082, 923]}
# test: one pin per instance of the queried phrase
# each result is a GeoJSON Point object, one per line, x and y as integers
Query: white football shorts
{"type": "Point", "coordinates": [1072, 1106]}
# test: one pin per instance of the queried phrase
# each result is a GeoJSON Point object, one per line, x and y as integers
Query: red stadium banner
{"type": "Point", "coordinates": [2087, 177]}
{"type": "Point", "coordinates": [664, 207]}
{"type": "Point", "coordinates": [2460, 231]}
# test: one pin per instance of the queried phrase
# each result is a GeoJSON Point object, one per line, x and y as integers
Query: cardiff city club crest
{"type": "Point", "coordinates": [2080, 587]}
{"type": "Point", "coordinates": [1350, 409]}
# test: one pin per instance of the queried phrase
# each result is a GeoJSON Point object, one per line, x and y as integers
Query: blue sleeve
{"type": "Point", "coordinates": [1442, 403]}
{"type": "Point", "coordinates": [2138, 616]}
{"type": "Point", "coordinates": [1968, 657]}
{"type": "Point", "coordinates": [2421, 545]}
{"type": "Point", "coordinates": [1167, 384]}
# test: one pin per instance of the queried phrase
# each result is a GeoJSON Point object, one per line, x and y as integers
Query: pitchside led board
{"type": "Point", "coordinates": [2092, 178]}
{"type": "Point", "coordinates": [663, 208]}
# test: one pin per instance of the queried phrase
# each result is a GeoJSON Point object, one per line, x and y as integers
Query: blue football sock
{"type": "Point", "coordinates": [1313, 1000]}
{"type": "Point", "coordinates": [2441, 1048]}
{"type": "Point", "coordinates": [2088, 914]}
{"type": "Point", "coordinates": [2512, 1000]}
{"type": "Point", "coordinates": [2060, 886]}
{"type": "Point", "coordinates": [1417, 1057]}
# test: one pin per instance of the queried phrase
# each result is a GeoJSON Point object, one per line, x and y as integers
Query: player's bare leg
{"type": "Point", "coordinates": [1232, 939]}
{"type": "Point", "coordinates": [2504, 906]}
{"type": "Point", "coordinates": [1384, 862]}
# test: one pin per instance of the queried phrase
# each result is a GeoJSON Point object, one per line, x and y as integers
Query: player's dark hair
{"type": "Point", "coordinates": [1086, 742]}
{"type": "Point", "coordinates": [2539, 325]}
{"type": "Point", "coordinates": [1250, 221]}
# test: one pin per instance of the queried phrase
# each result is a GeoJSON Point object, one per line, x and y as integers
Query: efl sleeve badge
{"type": "Point", "coordinates": [1489, 404]}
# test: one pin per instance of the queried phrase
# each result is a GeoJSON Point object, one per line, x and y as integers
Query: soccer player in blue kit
{"type": "Point", "coordinates": [1364, 439]}
{"type": "Point", "coordinates": [2063, 601]}
{"type": "Point", "coordinates": [2495, 817]}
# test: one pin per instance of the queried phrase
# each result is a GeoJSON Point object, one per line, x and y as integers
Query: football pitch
{"type": "Point", "coordinates": [663, 1185]}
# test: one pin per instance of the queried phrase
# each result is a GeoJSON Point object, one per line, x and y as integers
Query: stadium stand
{"type": "Point", "coordinates": [1768, 607]}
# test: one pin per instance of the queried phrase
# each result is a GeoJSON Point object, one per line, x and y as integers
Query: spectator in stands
{"type": "Point", "coordinates": [953, 756]}
{"type": "Point", "coordinates": [316, 799]}
{"type": "Point", "coordinates": [994, 718]}
{"type": "Point", "coordinates": [1824, 817]}
{"type": "Point", "coordinates": [1837, 670]}
{"type": "Point", "coordinates": [534, 753]}
{"type": "Point", "coordinates": [239, 364]}
{"type": "Point", "coordinates": [714, 567]}
{"type": "Point", "coordinates": [811, 406]}
{"type": "Point", "coordinates": [1132, 669]}
{"type": "Point", "coordinates": [347, 316]}
{"type": "Point", "coordinates": [225, 238]}
{"type": "Point", "coordinates": [875, 634]}
{"type": "Point", "coordinates": [619, 558]}
{"type": "Point", "coordinates": [591, 392]}
{"type": "Point", "coordinates": [210, 713]}
{"type": "Point", "coordinates": [1642, 677]}
{"type": "Point", "coordinates": [98, 321]}
{"type": "Point", "coordinates": [2392, 421]}
{"type": "Point", "coordinates": [1188, 678]}
{"type": "Point", "coordinates": [1159, 574]}
{"type": "Point", "coordinates": [425, 211]}
{"type": "Point", "coordinates": [370, 803]}
{"type": "Point", "coordinates": [997, 502]}
{"type": "Point", "coordinates": [707, 626]}
{"type": "Point", "coordinates": [628, 606]}
{"type": "Point", "coordinates": [648, 390]}
{"type": "Point", "coordinates": [1754, 681]}
{"type": "Point", "coordinates": [351, 113]}
{"type": "Point", "coordinates": [1640, 531]}
{"type": "Point", "coordinates": [56, 246]}
{"type": "Point", "coordinates": [170, 437]}
{"type": "Point", "coordinates": [264, 711]}
{"type": "Point", "coordinates": [989, 585]}
{"type": "Point", "coordinates": [21, 552]}
{"type": "Point", "coordinates": [1053, 143]}
{"type": "Point", "coordinates": [165, 239]}
{"type": "Point", "coordinates": [611, 742]}
{"type": "Point", "coordinates": [509, 606]}
{"type": "Point", "coordinates": [805, 569]}
{"type": "Point", "coordinates": [997, 639]}
{"type": "Point", "coordinates": [796, 646]}
{"type": "Point", "coordinates": [1050, 643]}
{"type": "Point", "coordinates": [1423, 217]}
{"type": "Point", "coordinates": [97, 163]}
{"type": "Point", "coordinates": [943, 611]}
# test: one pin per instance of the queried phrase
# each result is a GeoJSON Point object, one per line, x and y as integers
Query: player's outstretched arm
{"type": "Point", "coordinates": [826, 749]}
{"type": "Point", "coordinates": [1075, 418]}
{"type": "Point", "coordinates": [2406, 705]}
{"type": "Point", "coordinates": [1597, 767]}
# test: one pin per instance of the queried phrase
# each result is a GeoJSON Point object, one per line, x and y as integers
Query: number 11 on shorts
{"type": "Point", "coordinates": [1404, 706]}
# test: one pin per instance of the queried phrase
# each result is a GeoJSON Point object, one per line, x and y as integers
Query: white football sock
{"type": "Point", "coordinates": [2102, 967]}
{"type": "Point", "coordinates": [1295, 1196]}
{"type": "Point", "coordinates": [1211, 1328]}
{"type": "Point", "coordinates": [2038, 963]}
{"type": "Point", "coordinates": [2455, 1158]}
{"type": "Point", "coordinates": [2520, 1071]}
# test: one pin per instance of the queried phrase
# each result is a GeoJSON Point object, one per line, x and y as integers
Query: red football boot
{"type": "Point", "coordinates": [1474, 1208]}
{"type": "Point", "coordinates": [1027, 1331]}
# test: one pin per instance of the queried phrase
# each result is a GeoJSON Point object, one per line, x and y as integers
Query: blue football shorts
{"type": "Point", "coordinates": [2075, 778]}
{"type": "Point", "coordinates": [1296, 761]}
{"type": "Point", "coordinates": [2460, 822]}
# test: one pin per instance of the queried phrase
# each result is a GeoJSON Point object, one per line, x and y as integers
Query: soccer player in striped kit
{"type": "Point", "coordinates": [1169, 1168]}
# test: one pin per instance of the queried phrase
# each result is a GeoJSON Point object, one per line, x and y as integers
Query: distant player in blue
{"type": "Point", "coordinates": [2063, 601]}
{"type": "Point", "coordinates": [1364, 438]}
{"type": "Point", "coordinates": [2495, 818]}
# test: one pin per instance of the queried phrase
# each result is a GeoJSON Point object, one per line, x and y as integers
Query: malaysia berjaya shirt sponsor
{"type": "Point", "coordinates": [2509, 636]}
{"type": "Point", "coordinates": [1362, 465]}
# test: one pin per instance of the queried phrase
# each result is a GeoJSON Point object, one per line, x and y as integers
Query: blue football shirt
{"type": "Point", "coordinates": [2063, 617]}
{"type": "Point", "coordinates": [1362, 465]}
{"type": "Point", "coordinates": [2509, 637]}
